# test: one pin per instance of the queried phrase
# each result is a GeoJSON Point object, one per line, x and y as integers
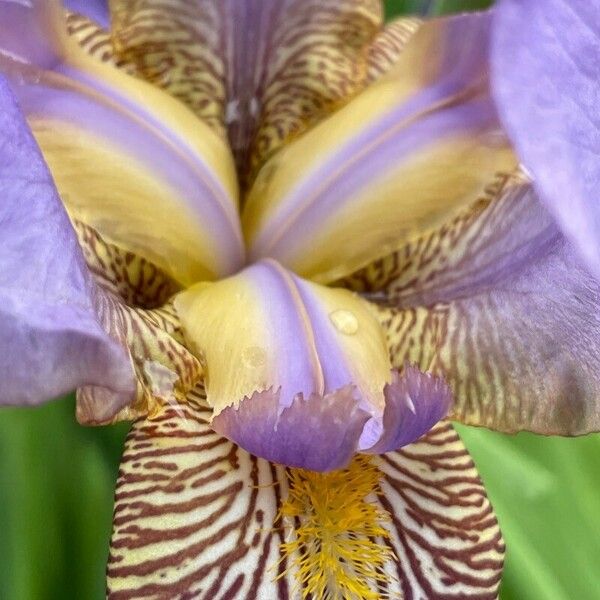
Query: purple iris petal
{"type": "Point", "coordinates": [50, 339]}
{"type": "Point", "coordinates": [318, 433]}
{"type": "Point", "coordinates": [322, 433]}
{"type": "Point", "coordinates": [546, 76]}
{"type": "Point", "coordinates": [414, 403]}
{"type": "Point", "coordinates": [97, 10]}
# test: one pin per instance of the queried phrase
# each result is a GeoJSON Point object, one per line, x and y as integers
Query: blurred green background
{"type": "Point", "coordinates": [57, 481]}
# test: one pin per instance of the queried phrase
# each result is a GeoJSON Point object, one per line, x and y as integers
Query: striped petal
{"type": "Point", "coordinates": [127, 159]}
{"type": "Point", "coordinates": [195, 516]}
{"type": "Point", "coordinates": [404, 156]}
{"type": "Point", "coordinates": [135, 307]}
{"type": "Point", "coordinates": [51, 340]}
{"type": "Point", "coordinates": [299, 373]}
{"type": "Point", "coordinates": [554, 123]}
{"type": "Point", "coordinates": [499, 303]}
{"type": "Point", "coordinates": [302, 58]}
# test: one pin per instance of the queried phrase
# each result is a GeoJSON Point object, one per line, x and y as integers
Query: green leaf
{"type": "Point", "coordinates": [394, 8]}
{"type": "Point", "coordinates": [56, 494]}
{"type": "Point", "coordinates": [546, 494]}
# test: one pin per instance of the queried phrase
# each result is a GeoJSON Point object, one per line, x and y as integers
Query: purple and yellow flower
{"type": "Point", "coordinates": [287, 242]}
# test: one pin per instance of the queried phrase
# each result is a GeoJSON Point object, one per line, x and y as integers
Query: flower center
{"type": "Point", "coordinates": [337, 550]}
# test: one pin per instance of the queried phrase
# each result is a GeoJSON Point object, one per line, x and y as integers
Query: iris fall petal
{"type": "Point", "coordinates": [512, 319]}
{"type": "Point", "coordinates": [50, 337]}
{"type": "Point", "coordinates": [195, 514]}
{"type": "Point", "coordinates": [549, 105]}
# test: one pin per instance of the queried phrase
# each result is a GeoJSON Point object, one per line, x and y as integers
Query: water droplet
{"type": "Point", "coordinates": [344, 321]}
{"type": "Point", "coordinates": [254, 357]}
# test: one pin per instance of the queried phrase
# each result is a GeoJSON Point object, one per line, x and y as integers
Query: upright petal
{"type": "Point", "coordinates": [299, 373]}
{"type": "Point", "coordinates": [196, 515]}
{"type": "Point", "coordinates": [546, 77]}
{"type": "Point", "coordinates": [404, 156]}
{"type": "Point", "coordinates": [50, 338]}
{"type": "Point", "coordinates": [260, 70]}
{"type": "Point", "coordinates": [128, 159]}
{"type": "Point", "coordinates": [499, 303]}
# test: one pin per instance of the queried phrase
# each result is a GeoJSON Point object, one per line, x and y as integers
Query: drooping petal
{"type": "Point", "coordinates": [443, 532]}
{"type": "Point", "coordinates": [127, 159]}
{"type": "Point", "coordinates": [97, 10]}
{"type": "Point", "coordinates": [196, 515]}
{"type": "Point", "coordinates": [404, 156]}
{"type": "Point", "coordinates": [260, 70]}
{"type": "Point", "coordinates": [51, 340]}
{"type": "Point", "coordinates": [500, 304]}
{"type": "Point", "coordinates": [295, 370]}
{"type": "Point", "coordinates": [546, 74]}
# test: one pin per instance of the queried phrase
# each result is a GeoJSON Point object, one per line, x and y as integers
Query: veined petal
{"type": "Point", "coordinates": [404, 156]}
{"type": "Point", "coordinates": [97, 10]}
{"type": "Point", "coordinates": [196, 515]}
{"type": "Point", "coordinates": [499, 303]}
{"type": "Point", "coordinates": [128, 159]}
{"type": "Point", "coordinates": [546, 83]}
{"type": "Point", "coordinates": [294, 370]}
{"type": "Point", "coordinates": [51, 340]}
{"type": "Point", "coordinates": [388, 45]}
{"type": "Point", "coordinates": [260, 70]}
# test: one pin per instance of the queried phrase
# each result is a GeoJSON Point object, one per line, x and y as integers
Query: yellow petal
{"type": "Point", "coordinates": [404, 156]}
{"type": "Point", "coordinates": [266, 329]}
{"type": "Point", "coordinates": [127, 159]}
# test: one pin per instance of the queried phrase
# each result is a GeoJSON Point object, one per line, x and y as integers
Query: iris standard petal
{"type": "Point", "coordinates": [96, 10]}
{"type": "Point", "coordinates": [546, 78]}
{"type": "Point", "coordinates": [50, 338]}
{"type": "Point", "coordinates": [500, 304]}
{"type": "Point", "coordinates": [404, 156]}
{"type": "Point", "coordinates": [128, 159]}
{"type": "Point", "coordinates": [295, 370]}
{"type": "Point", "coordinates": [260, 70]}
{"type": "Point", "coordinates": [196, 515]}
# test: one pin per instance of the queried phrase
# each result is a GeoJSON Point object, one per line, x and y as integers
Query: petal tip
{"type": "Point", "coordinates": [319, 433]}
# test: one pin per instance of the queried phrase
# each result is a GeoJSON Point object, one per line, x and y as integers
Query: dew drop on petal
{"type": "Point", "coordinates": [344, 321]}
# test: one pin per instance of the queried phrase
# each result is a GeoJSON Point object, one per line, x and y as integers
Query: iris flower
{"type": "Point", "coordinates": [287, 242]}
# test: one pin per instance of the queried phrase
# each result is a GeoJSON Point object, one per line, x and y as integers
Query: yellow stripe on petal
{"type": "Point", "coordinates": [404, 156]}
{"type": "Point", "coordinates": [129, 160]}
{"type": "Point", "coordinates": [265, 329]}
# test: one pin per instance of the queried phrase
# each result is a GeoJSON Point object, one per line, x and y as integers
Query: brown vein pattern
{"type": "Point", "coordinates": [96, 41]}
{"type": "Point", "coordinates": [194, 514]}
{"type": "Point", "coordinates": [137, 281]}
{"type": "Point", "coordinates": [261, 70]}
{"type": "Point", "coordinates": [387, 47]}
{"type": "Point", "coordinates": [133, 305]}
{"type": "Point", "coordinates": [165, 369]}
{"type": "Point", "coordinates": [443, 528]}
{"type": "Point", "coordinates": [475, 301]}
{"type": "Point", "coordinates": [440, 258]}
{"type": "Point", "coordinates": [194, 517]}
